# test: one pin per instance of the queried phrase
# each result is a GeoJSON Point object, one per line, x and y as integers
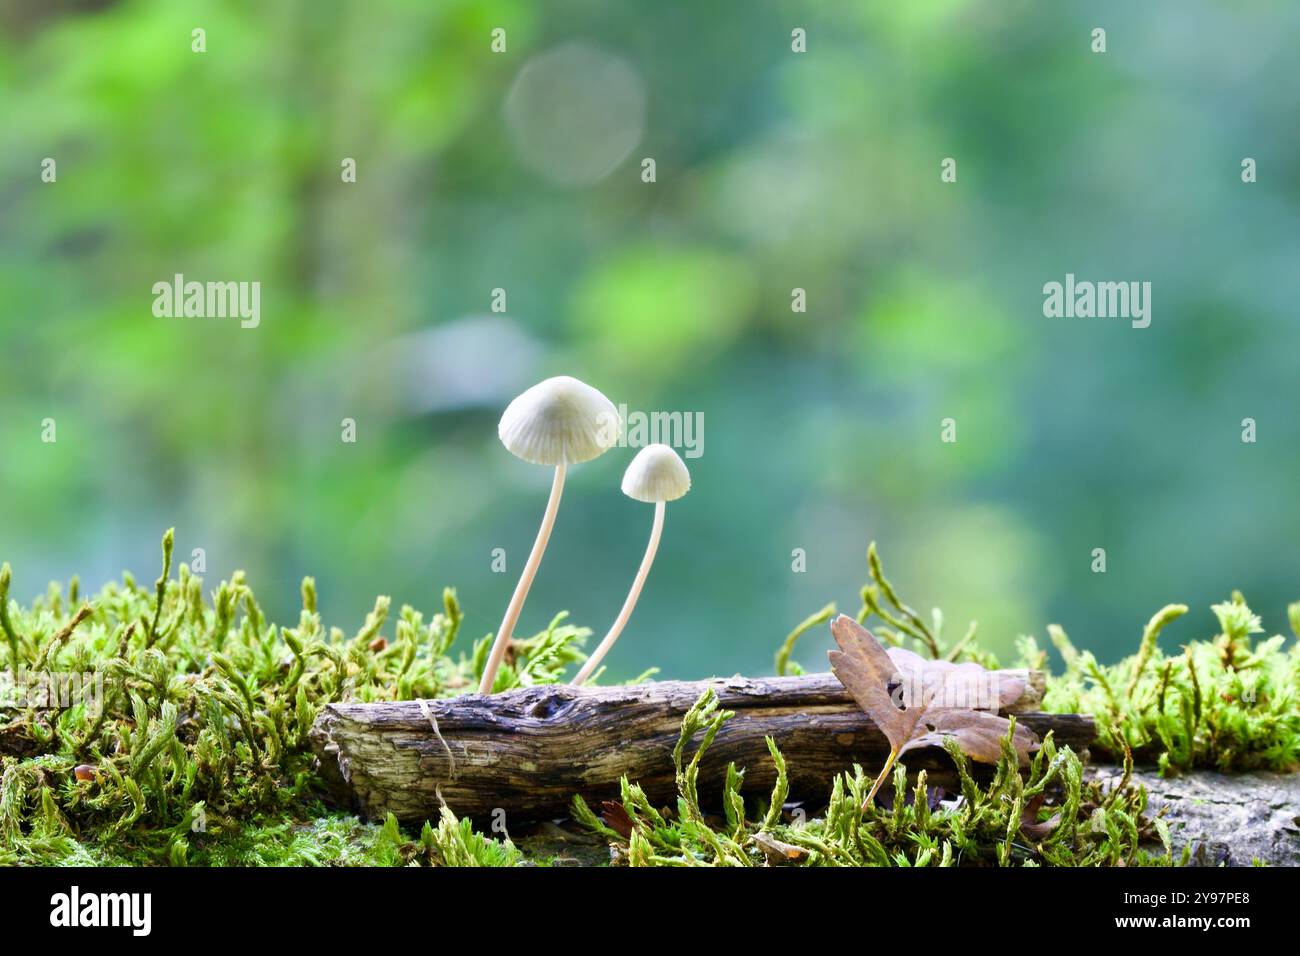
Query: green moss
{"type": "Point", "coordinates": [1047, 816]}
{"type": "Point", "coordinates": [198, 752]}
{"type": "Point", "coordinates": [1226, 702]}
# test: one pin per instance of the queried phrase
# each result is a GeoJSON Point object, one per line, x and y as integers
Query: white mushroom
{"type": "Point", "coordinates": [657, 475]}
{"type": "Point", "coordinates": [558, 422]}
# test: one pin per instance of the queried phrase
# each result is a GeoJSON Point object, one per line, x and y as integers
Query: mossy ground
{"type": "Point", "coordinates": [197, 753]}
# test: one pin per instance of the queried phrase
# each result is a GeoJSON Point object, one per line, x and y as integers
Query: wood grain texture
{"type": "Point", "coordinates": [529, 751]}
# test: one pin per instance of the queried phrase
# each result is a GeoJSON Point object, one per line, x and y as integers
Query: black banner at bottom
{"type": "Point", "coordinates": [342, 907]}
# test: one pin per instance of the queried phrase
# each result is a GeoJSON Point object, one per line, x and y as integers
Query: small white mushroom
{"type": "Point", "coordinates": [558, 422]}
{"type": "Point", "coordinates": [656, 476]}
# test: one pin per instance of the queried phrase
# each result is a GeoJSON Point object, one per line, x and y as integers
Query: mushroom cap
{"type": "Point", "coordinates": [656, 474]}
{"type": "Point", "coordinates": [560, 421]}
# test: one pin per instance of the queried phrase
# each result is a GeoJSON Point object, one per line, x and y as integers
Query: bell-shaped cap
{"type": "Point", "coordinates": [656, 474]}
{"type": "Point", "coordinates": [560, 421]}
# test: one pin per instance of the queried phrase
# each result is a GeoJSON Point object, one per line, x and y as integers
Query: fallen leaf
{"type": "Point", "coordinates": [615, 816]}
{"type": "Point", "coordinates": [967, 686]}
{"type": "Point", "coordinates": [779, 853]}
{"type": "Point", "coordinates": [920, 711]}
{"type": "Point", "coordinates": [1029, 823]}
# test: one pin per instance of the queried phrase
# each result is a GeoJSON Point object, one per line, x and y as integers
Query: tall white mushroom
{"type": "Point", "coordinates": [657, 475]}
{"type": "Point", "coordinates": [558, 422]}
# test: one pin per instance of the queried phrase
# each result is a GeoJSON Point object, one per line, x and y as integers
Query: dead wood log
{"type": "Point", "coordinates": [1230, 819]}
{"type": "Point", "coordinates": [529, 751]}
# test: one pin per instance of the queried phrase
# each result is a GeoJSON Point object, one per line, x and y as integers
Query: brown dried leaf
{"type": "Point", "coordinates": [978, 732]}
{"type": "Point", "coordinates": [918, 713]}
{"type": "Point", "coordinates": [1029, 823]}
{"type": "Point", "coordinates": [967, 686]}
{"type": "Point", "coordinates": [866, 671]}
{"type": "Point", "coordinates": [615, 816]}
{"type": "Point", "coordinates": [779, 853]}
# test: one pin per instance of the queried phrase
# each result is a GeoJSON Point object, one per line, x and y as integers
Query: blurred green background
{"type": "Point", "coordinates": [775, 170]}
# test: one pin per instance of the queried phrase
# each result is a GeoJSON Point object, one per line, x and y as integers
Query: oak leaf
{"type": "Point", "coordinates": [918, 703]}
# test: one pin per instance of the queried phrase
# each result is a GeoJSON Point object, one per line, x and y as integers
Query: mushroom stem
{"type": "Point", "coordinates": [516, 604]}
{"type": "Point", "coordinates": [655, 532]}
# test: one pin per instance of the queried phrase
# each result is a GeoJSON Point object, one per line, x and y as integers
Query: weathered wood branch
{"type": "Point", "coordinates": [530, 750]}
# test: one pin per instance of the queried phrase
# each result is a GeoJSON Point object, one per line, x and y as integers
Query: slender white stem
{"type": "Point", "coordinates": [655, 531]}
{"type": "Point", "coordinates": [516, 604]}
